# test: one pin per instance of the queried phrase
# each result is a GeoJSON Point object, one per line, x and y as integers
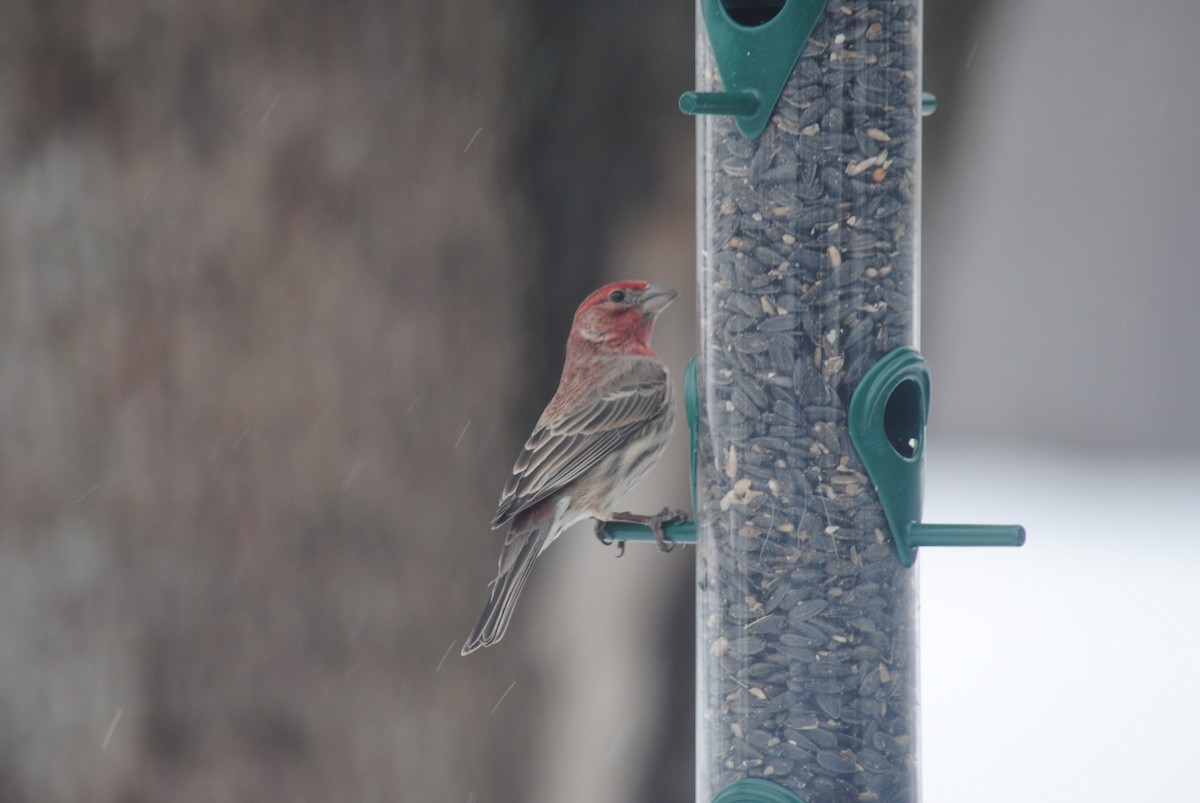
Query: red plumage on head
{"type": "Point", "coordinates": [601, 295]}
{"type": "Point", "coordinates": [602, 324]}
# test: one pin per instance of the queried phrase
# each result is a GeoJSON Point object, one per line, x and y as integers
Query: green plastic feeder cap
{"type": "Point", "coordinates": [755, 790]}
{"type": "Point", "coordinates": [887, 417]}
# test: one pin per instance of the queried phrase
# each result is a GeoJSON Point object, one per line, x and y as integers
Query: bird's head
{"type": "Point", "coordinates": [620, 316]}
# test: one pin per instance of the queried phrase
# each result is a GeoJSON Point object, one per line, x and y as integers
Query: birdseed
{"type": "Point", "coordinates": [808, 272]}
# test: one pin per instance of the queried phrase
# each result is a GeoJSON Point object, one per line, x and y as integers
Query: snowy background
{"type": "Point", "coordinates": [1062, 269]}
{"type": "Point", "coordinates": [1065, 670]}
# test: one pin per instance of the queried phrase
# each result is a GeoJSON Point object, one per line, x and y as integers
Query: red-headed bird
{"type": "Point", "coordinates": [606, 426]}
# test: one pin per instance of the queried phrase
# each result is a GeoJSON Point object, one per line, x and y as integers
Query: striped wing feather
{"type": "Point", "coordinates": [561, 451]}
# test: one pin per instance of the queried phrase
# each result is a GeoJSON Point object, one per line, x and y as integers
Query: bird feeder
{"type": "Point", "coordinates": [812, 401]}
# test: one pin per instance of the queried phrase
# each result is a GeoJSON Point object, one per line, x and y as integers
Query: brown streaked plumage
{"type": "Point", "coordinates": [601, 432]}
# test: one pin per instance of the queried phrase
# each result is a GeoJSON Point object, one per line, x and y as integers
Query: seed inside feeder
{"type": "Point", "coordinates": [807, 617]}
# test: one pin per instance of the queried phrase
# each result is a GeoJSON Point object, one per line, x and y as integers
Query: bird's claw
{"type": "Point", "coordinates": [657, 524]}
{"type": "Point", "coordinates": [602, 536]}
{"type": "Point", "coordinates": [660, 537]}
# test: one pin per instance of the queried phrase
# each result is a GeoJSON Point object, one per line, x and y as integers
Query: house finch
{"type": "Point", "coordinates": [606, 426]}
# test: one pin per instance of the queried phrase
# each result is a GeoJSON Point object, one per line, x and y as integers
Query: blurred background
{"type": "Point", "coordinates": [284, 285]}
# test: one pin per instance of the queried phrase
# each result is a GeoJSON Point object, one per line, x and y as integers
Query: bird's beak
{"type": "Point", "coordinates": [655, 298]}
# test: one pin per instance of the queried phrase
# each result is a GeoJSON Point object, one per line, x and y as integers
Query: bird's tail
{"type": "Point", "coordinates": [522, 544]}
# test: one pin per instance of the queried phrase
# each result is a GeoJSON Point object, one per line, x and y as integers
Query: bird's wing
{"type": "Point", "coordinates": [564, 447]}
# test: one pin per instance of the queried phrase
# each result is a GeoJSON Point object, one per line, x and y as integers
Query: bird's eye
{"type": "Point", "coordinates": [617, 295]}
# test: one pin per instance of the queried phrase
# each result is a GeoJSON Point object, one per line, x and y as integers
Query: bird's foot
{"type": "Point", "coordinates": [656, 523]}
{"type": "Point", "coordinates": [602, 536]}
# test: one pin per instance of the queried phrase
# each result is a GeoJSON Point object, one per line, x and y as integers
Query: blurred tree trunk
{"type": "Point", "coordinates": [282, 288]}
{"type": "Point", "coordinates": [250, 439]}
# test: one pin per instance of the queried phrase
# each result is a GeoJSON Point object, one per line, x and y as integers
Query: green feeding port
{"type": "Point", "coordinates": [752, 13]}
{"type": "Point", "coordinates": [756, 44]}
{"type": "Point", "coordinates": [904, 419]}
{"type": "Point", "coordinates": [887, 418]}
